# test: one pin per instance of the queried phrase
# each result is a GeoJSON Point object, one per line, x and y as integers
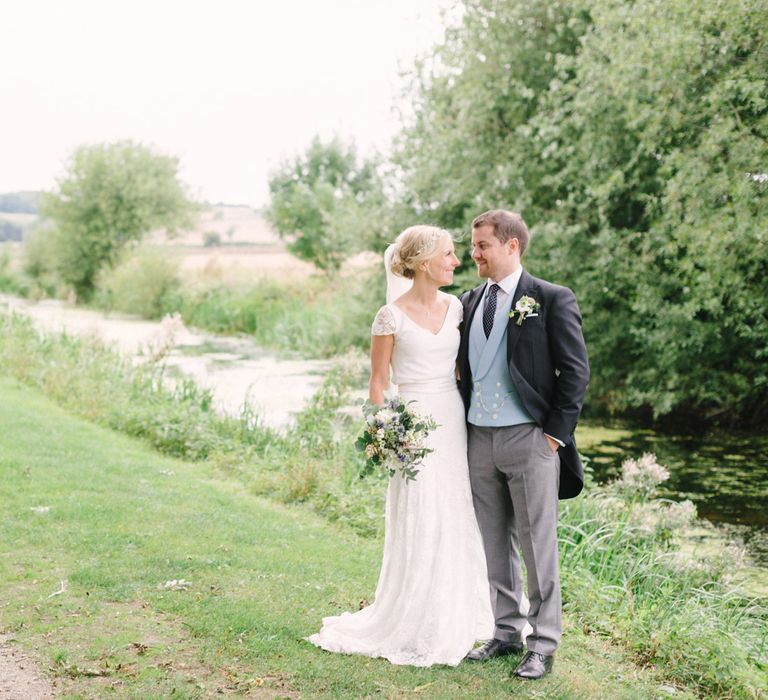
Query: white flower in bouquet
{"type": "Point", "coordinates": [394, 439]}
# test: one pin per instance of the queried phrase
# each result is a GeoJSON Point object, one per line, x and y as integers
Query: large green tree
{"type": "Point", "coordinates": [633, 136]}
{"type": "Point", "coordinates": [326, 204]}
{"type": "Point", "coordinates": [110, 196]}
{"type": "Point", "coordinates": [468, 144]}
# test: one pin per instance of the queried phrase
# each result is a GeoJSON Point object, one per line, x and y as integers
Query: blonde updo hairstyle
{"type": "Point", "coordinates": [414, 246]}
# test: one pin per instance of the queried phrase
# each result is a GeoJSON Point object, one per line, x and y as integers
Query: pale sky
{"type": "Point", "coordinates": [231, 87]}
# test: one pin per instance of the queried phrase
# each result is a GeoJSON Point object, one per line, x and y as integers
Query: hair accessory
{"type": "Point", "coordinates": [429, 242]}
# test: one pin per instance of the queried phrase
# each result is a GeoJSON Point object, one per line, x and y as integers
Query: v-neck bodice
{"type": "Point", "coordinates": [420, 357]}
{"type": "Point", "coordinates": [425, 329]}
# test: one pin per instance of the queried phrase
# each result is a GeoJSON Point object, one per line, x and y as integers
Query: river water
{"type": "Point", "coordinates": [725, 473]}
{"type": "Point", "coordinates": [234, 368]}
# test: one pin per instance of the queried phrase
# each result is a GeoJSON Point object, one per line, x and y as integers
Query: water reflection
{"type": "Point", "coordinates": [724, 473]}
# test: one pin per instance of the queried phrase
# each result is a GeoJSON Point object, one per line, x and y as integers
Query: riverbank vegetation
{"type": "Point", "coordinates": [316, 316]}
{"type": "Point", "coordinates": [625, 578]}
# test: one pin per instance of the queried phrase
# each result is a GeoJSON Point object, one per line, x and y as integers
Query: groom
{"type": "Point", "coordinates": [523, 373]}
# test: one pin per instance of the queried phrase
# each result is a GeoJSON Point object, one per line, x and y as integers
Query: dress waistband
{"type": "Point", "coordinates": [434, 386]}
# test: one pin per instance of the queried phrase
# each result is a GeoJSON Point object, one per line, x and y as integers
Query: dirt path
{"type": "Point", "coordinates": [20, 679]}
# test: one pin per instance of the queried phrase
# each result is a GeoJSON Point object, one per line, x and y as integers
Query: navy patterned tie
{"type": "Point", "coordinates": [490, 309]}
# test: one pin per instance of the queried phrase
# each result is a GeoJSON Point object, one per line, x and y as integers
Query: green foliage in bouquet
{"type": "Point", "coordinates": [393, 439]}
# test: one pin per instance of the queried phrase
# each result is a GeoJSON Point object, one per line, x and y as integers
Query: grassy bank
{"type": "Point", "coordinates": [624, 578]}
{"type": "Point", "coordinates": [117, 522]}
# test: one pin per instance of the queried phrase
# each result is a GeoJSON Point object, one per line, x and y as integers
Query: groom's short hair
{"type": "Point", "coordinates": [506, 225]}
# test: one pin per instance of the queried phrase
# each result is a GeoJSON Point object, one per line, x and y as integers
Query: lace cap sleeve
{"type": "Point", "coordinates": [384, 322]}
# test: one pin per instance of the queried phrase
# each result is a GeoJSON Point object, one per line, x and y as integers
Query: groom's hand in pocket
{"type": "Point", "coordinates": [553, 444]}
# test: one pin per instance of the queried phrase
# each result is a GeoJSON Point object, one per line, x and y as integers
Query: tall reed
{"type": "Point", "coordinates": [314, 317]}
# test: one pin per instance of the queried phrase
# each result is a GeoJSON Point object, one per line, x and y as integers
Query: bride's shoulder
{"type": "Point", "coordinates": [453, 300]}
{"type": "Point", "coordinates": [386, 320]}
{"type": "Point", "coordinates": [454, 304]}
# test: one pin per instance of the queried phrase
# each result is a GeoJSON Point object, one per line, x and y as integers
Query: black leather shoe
{"type": "Point", "coordinates": [494, 648]}
{"type": "Point", "coordinates": [534, 666]}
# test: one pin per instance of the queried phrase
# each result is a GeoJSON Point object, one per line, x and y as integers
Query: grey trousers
{"type": "Point", "coordinates": [514, 476]}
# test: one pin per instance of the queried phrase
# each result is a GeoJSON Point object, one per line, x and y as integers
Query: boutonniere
{"type": "Point", "coordinates": [525, 307]}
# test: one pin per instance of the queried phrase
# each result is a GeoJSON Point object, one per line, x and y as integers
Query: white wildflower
{"type": "Point", "coordinates": [736, 556]}
{"type": "Point", "coordinates": [683, 512]}
{"type": "Point", "coordinates": [644, 473]}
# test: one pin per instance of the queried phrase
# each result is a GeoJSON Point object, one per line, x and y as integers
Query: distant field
{"type": "Point", "coordinates": [239, 225]}
{"type": "Point", "coordinates": [248, 248]}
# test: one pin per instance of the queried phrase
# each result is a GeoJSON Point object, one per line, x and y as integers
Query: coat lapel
{"type": "Point", "coordinates": [526, 286]}
{"type": "Point", "coordinates": [475, 297]}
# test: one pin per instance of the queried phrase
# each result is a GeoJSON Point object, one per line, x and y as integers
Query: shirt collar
{"type": "Point", "coordinates": [509, 283]}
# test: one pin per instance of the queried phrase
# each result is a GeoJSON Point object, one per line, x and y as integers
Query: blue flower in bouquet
{"type": "Point", "coordinates": [394, 439]}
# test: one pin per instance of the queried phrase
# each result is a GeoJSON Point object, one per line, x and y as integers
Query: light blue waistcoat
{"type": "Point", "coordinates": [495, 401]}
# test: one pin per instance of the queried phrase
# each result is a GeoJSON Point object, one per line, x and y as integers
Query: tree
{"type": "Point", "coordinates": [633, 136]}
{"type": "Point", "coordinates": [109, 198]}
{"type": "Point", "coordinates": [468, 145]}
{"type": "Point", "coordinates": [655, 147]}
{"type": "Point", "coordinates": [323, 203]}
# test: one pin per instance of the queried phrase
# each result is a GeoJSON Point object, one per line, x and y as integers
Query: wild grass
{"type": "Point", "coordinates": [624, 577]}
{"type": "Point", "coordinates": [146, 282]}
{"type": "Point", "coordinates": [314, 317]}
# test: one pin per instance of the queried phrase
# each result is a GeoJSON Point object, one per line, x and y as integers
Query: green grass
{"type": "Point", "coordinates": [626, 578]}
{"type": "Point", "coordinates": [123, 520]}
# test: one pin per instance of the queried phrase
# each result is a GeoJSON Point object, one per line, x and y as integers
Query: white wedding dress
{"type": "Point", "coordinates": [432, 599]}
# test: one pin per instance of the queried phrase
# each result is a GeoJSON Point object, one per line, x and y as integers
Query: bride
{"type": "Point", "coordinates": [432, 599]}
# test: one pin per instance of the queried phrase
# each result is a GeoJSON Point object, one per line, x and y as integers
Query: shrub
{"type": "Point", "coordinates": [145, 283]}
{"type": "Point", "coordinates": [211, 239]}
{"type": "Point", "coordinates": [11, 281]}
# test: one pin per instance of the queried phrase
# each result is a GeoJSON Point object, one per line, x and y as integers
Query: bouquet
{"type": "Point", "coordinates": [393, 438]}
